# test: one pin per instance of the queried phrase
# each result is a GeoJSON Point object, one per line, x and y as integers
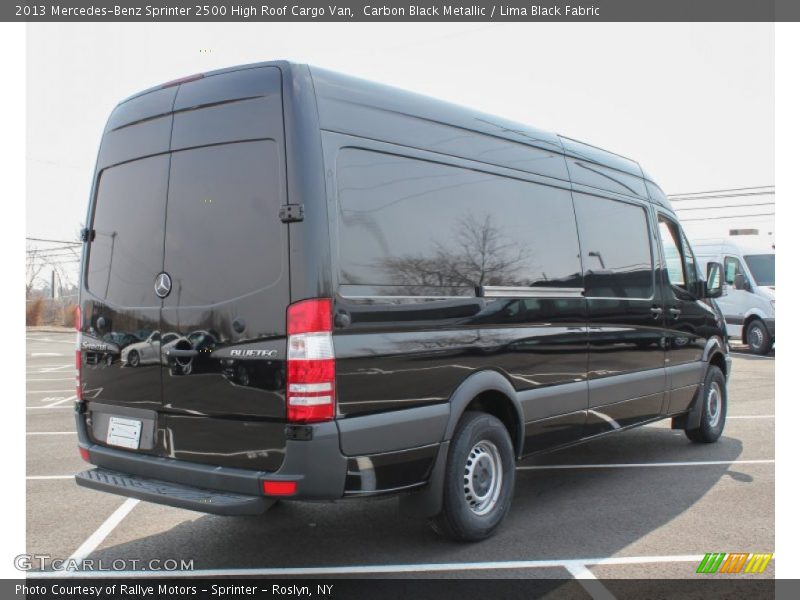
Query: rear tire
{"type": "Point", "coordinates": [479, 479]}
{"type": "Point", "coordinates": [715, 408]}
{"type": "Point", "coordinates": [758, 338]}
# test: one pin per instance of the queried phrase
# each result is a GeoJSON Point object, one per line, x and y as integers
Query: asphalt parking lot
{"type": "Point", "coordinates": [640, 504]}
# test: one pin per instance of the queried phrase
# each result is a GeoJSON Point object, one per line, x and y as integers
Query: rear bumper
{"type": "Point", "coordinates": [173, 494]}
{"type": "Point", "coordinates": [316, 465]}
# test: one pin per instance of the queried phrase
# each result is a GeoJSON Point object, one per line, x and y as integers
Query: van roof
{"type": "Point", "coordinates": [345, 88]}
{"type": "Point", "coordinates": [710, 246]}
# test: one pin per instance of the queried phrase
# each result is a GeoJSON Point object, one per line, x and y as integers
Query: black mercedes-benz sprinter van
{"type": "Point", "coordinates": [300, 285]}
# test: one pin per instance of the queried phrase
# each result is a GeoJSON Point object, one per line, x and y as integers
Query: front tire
{"type": "Point", "coordinates": [134, 359]}
{"type": "Point", "coordinates": [715, 408]}
{"type": "Point", "coordinates": [758, 338]}
{"type": "Point", "coordinates": [479, 479]}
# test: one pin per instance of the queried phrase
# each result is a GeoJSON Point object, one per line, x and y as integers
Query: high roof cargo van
{"type": "Point", "coordinates": [335, 289]}
{"type": "Point", "coordinates": [748, 290]}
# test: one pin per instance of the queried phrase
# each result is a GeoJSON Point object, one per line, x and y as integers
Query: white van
{"type": "Point", "coordinates": [748, 297]}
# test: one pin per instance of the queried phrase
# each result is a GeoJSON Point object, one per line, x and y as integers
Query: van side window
{"type": "Point", "coordinates": [681, 264]}
{"type": "Point", "coordinates": [689, 259]}
{"type": "Point", "coordinates": [414, 227]}
{"type": "Point", "coordinates": [615, 247]}
{"type": "Point", "coordinates": [732, 268]}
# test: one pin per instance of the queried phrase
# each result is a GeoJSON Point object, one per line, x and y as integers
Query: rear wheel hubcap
{"type": "Point", "coordinates": [483, 477]}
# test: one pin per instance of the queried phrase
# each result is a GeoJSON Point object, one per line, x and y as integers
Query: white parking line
{"type": "Point", "coordinates": [50, 433]}
{"type": "Point", "coordinates": [59, 402]}
{"type": "Point", "coordinates": [47, 406]}
{"type": "Point", "coordinates": [47, 477]}
{"type": "Point", "coordinates": [35, 354]}
{"type": "Point", "coordinates": [753, 356]}
{"type": "Point", "coordinates": [94, 540]}
{"type": "Point", "coordinates": [47, 391]}
{"type": "Point", "coordinates": [750, 417]}
{"type": "Point", "coordinates": [693, 463]}
{"type": "Point", "coordinates": [381, 569]}
{"type": "Point", "coordinates": [588, 581]}
{"type": "Point", "coordinates": [48, 368]}
{"type": "Point", "coordinates": [50, 379]}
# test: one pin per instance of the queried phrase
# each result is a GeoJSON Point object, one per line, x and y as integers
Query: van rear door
{"type": "Point", "coordinates": [199, 254]}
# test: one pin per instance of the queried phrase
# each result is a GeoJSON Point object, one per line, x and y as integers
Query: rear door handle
{"type": "Point", "coordinates": [674, 312]}
{"type": "Point", "coordinates": [656, 311]}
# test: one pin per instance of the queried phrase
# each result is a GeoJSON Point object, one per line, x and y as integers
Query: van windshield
{"type": "Point", "coordinates": [762, 266]}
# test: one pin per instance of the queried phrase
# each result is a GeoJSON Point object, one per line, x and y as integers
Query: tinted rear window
{"type": "Point", "coordinates": [223, 232]}
{"type": "Point", "coordinates": [129, 232]}
{"type": "Point", "coordinates": [419, 227]}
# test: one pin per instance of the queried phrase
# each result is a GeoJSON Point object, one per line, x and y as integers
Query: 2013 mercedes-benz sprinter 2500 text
{"type": "Point", "coordinates": [367, 292]}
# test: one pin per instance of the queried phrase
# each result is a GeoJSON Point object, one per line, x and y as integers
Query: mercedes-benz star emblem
{"type": "Point", "coordinates": [163, 285]}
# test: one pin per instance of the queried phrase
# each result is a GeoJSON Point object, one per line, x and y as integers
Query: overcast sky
{"type": "Point", "coordinates": [693, 102]}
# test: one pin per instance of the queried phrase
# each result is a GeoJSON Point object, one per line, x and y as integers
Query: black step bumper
{"type": "Point", "coordinates": [316, 465]}
{"type": "Point", "coordinates": [173, 494]}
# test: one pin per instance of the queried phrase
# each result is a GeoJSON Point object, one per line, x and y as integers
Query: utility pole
{"type": "Point", "coordinates": [54, 292]}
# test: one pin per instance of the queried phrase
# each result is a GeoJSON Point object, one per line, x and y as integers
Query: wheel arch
{"type": "Point", "coordinates": [714, 354]}
{"type": "Point", "coordinates": [488, 391]}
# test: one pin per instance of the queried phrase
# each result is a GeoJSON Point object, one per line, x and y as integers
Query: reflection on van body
{"type": "Point", "coordinates": [309, 286]}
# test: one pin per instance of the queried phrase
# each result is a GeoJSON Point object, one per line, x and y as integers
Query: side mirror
{"type": "Point", "coordinates": [740, 283]}
{"type": "Point", "coordinates": [713, 280]}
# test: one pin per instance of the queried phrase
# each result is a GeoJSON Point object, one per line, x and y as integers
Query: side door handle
{"type": "Point", "coordinates": [674, 312]}
{"type": "Point", "coordinates": [656, 311]}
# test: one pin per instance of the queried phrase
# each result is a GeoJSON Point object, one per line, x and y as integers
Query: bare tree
{"type": "Point", "coordinates": [41, 262]}
{"type": "Point", "coordinates": [33, 266]}
{"type": "Point", "coordinates": [483, 255]}
{"type": "Point", "coordinates": [478, 254]}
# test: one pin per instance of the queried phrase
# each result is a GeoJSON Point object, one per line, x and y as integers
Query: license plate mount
{"type": "Point", "coordinates": [124, 432]}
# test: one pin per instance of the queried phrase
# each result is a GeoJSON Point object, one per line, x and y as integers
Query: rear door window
{"type": "Point", "coordinates": [126, 253]}
{"type": "Point", "coordinates": [223, 234]}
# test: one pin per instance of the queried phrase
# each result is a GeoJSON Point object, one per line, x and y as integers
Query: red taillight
{"type": "Point", "coordinates": [84, 453]}
{"type": "Point", "coordinates": [310, 364]}
{"type": "Point", "coordinates": [280, 488]}
{"type": "Point", "coordinates": [78, 382]}
{"type": "Point", "coordinates": [308, 316]}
